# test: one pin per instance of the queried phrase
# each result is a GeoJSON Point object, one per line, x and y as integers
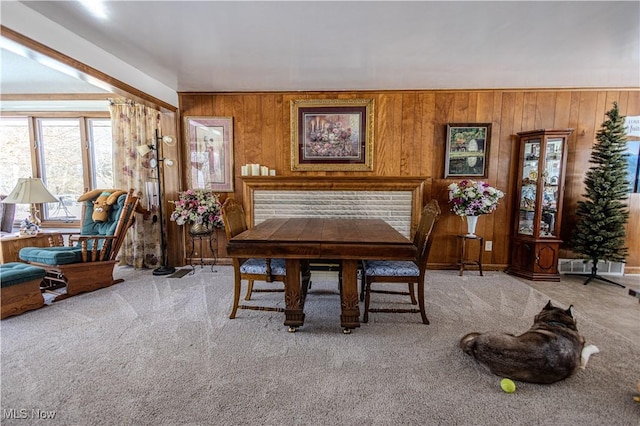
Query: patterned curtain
{"type": "Point", "coordinates": [134, 126]}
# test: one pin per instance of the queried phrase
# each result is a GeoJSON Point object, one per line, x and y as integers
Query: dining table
{"type": "Point", "coordinates": [302, 239]}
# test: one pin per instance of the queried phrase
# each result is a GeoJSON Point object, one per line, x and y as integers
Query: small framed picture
{"type": "Point", "coordinates": [467, 150]}
{"type": "Point", "coordinates": [210, 151]}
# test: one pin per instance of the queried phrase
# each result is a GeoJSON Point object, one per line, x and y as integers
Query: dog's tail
{"type": "Point", "coordinates": [587, 351]}
{"type": "Point", "coordinates": [468, 343]}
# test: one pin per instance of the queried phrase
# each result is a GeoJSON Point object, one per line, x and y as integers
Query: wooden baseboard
{"type": "Point", "coordinates": [631, 270]}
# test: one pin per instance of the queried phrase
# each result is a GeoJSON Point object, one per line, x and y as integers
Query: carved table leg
{"type": "Point", "coordinates": [293, 296]}
{"type": "Point", "coordinates": [350, 317]}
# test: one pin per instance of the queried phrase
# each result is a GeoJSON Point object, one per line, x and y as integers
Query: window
{"type": "Point", "coordinates": [70, 154]}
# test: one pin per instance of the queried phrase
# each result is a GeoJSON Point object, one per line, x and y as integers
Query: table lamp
{"type": "Point", "coordinates": [30, 191]}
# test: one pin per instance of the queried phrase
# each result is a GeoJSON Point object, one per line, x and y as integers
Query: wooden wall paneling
{"type": "Point", "coordinates": [427, 137]}
{"type": "Point", "coordinates": [266, 131]}
{"type": "Point", "coordinates": [473, 108]}
{"type": "Point", "coordinates": [505, 179]}
{"type": "Point", "coordinates": [574, 177]}
{"type": "Point", "coordinates": [448, 224]}
{"type": "Point", "coordinates": [410, 152]}
{"type": "Point", "coordinates": [562, 110]}
{"type": "Point", "coordinates": [250, 124]}
{"type": "Point", "coordinates": [461, 107]}
{"type": "Point", "coordinates": [443, 104]}
{"type": "Point", "coordinates": [410, 137]}
{"type": "Point", "coordinates": [383, 144]}
{"type": "Point", "coordinates": [485, 102]}
{"type": "Point", "coordinates": [545, 110]}
{"type": "Point", "coordinates": [529, 111]}
{"type": "Point", "coordinates": [570, 195]}
{"type": "Point", "coordinates": [517, 124]}
{"type": "Point", "coordinates": [283, 136]}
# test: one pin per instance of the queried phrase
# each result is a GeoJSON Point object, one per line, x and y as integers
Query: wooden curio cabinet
{"type": "Point", "coordinates": [538, 209]}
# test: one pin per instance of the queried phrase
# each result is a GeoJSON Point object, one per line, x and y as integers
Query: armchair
{"type": "Point", "coordinates": [86, 263]}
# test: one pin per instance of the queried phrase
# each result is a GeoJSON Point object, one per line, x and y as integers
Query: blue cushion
{"type": "Point", "coordinates": [89, 227]}
{"type": "Point", "coordinates": [259, 266]}
{"type": "Point", "coordinates": [51, 255]}
{"type": "Point", "coordinates": [16, 273]}
{"type": "Point", "coordinates": [391, 268]}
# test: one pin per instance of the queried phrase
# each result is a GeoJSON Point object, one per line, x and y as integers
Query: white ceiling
{"type": "Point", "coordinates": [319, 45]}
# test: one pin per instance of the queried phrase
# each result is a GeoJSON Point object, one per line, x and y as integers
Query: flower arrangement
{"type": "Point", "coordinates": [198, 206]}
{"type": "Point", "coordinates": [471, 198]}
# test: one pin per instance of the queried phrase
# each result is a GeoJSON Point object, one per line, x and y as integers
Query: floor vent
{"type": "Point", "coordinates": [578, 266]}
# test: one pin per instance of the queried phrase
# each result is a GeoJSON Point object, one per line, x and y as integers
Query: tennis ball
{"type": "Point", "coordinates": [507, 385]}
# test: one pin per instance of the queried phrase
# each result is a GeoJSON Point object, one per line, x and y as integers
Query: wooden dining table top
{"type": "Point", "coordinates": [318, 238]}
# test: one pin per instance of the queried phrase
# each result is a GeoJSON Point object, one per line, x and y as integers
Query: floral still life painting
{"type": "Point", "coordinates": [471, 198]}
{"type": "Point", "coordinates": [198, 206]}
{"type": "Point", "coordinates": [332, 134]}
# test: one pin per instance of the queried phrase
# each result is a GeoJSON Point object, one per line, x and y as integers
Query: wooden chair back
{"type": "Point", "coordinates": [422, 238]}
{"type": "Point", "coordinates": [125, 221]}
{"type": "Point", "coordinates": [233, 217]}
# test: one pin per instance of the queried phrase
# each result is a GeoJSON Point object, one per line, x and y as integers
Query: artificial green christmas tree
{"type": "Point", "coordinates": [600, 231]}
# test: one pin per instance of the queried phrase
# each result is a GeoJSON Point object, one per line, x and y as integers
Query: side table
{"type": "Point", "coordinates": [11, 244]}
{"type": "Point", "coordinates": [465, 242]}
{"type": "Point", "coordinates": [211, 238]}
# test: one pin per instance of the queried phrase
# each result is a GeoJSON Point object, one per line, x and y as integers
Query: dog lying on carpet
{"type": "Point", "coordinates": [551, 350]}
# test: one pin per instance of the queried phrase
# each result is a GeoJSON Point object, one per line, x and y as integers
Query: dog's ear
{"type": "Point", "coordinates": [548, 305]}
{"type": "Point", "coordinates": [568, 311]}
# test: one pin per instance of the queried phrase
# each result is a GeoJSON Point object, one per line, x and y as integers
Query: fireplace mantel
{"type": "Point", "coordinates": [417, 187]}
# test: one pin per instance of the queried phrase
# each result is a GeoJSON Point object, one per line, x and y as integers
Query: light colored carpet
{"type": "Point", "coordinates": [162, 351]}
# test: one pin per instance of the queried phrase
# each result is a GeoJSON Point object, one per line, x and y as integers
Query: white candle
{"type": "Point", "coordinates": [264, 171]}
{"type": "Point", "coordinates": [245, 170]}
{"type": "Point", "coordinates": [255, 169]}
{"type": "Point", "coordinates": [272, 172]}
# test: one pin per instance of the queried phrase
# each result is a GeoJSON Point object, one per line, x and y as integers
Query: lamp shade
{"type": "Point", "coordinates": [143, 150]}
{"type": "Point", "coordinates": [30, 191]}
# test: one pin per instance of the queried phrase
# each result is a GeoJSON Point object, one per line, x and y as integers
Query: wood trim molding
{"type": "Point", "coordinates": [420, 188]}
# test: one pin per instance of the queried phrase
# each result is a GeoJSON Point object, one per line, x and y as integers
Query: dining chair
{"type": "Point", "coordinates": [252, 269]}
{"type": "Point", "coordinates": [410, 272]}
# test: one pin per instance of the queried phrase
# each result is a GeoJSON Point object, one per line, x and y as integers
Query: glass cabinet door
{"type": "Point", "coordinates": [528, 192]}
{"type": "Point", "coordinates": [551, 175]}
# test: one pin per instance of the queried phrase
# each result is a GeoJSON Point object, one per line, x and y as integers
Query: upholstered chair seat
{"type": "Point", "coordinates": [390, 268]}
{"type": "Point", "coordinates": [259, 267]}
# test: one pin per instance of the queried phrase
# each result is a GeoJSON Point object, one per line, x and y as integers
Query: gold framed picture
{"type": "Point", "coordinates": [332, 134]}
